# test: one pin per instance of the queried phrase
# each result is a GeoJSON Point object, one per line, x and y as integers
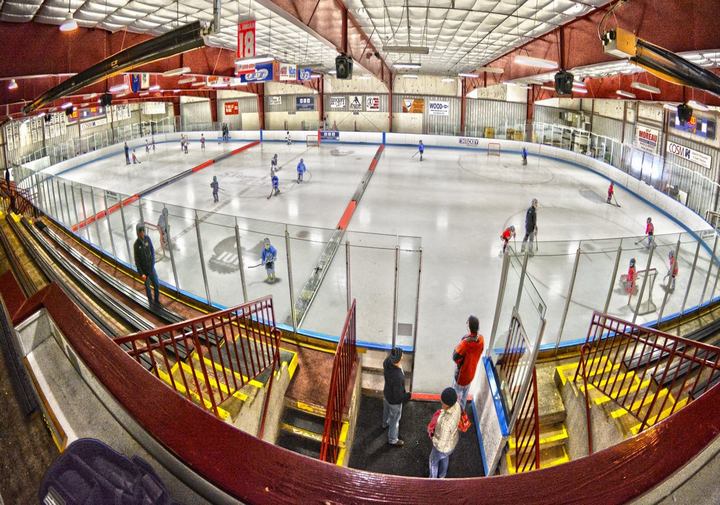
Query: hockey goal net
{"type": "Point", "coordinates": [494, 149]}
{"type": "Point", "coordinates": [646, 305]}
{"type": "Point", "coordinates": [713, 218]}
{"type": "Point", "coordinates": [312, 140]}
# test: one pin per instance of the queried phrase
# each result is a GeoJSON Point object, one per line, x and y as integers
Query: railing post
{"type": "Point", "coordinates": [417, 313]}
{"type": "Point", "coordinates": [95, 220]}
{"type": "Point", "coordinates": [348, 287]}
{"type": "Point", "coordinates": [500, 299]}
{"type": "Point", "coordinates": [85, 216]}
{"type": "Point", "coordinates": [109, 226]}
{"type": "Point", "coordinates": [202, 258]}
{"type": "Point", "coordinates": [612, 278]}
{"type": "Point", "coordinates": [588, 418]}
{"type": "Point", "coordinates": [140, 211]}
{"type": "Point", "coordinates": [395, 294]}
{"type": "Point", "coordinates": [569, 297]}
{"type": "Point", "coordinates": [67, 202]}
{"type": "Point", "coordinates": [293, 316]}
{"type": "Point", "coordinates": [53, 189]}
{"type": "Point", "coordinates": [241, 266]}
{"type": "Point", "coordinates": [169, 242]}
{"type": "Point", "coordinates": [61, 209]}
{"type": "Point", "coordinates": [710, 266]}
{"type": "Point", "coordinates": [692, 275]}
{"type": "Point", "coordinates": [667, 291]}
{"type": "Point", "coordinates": [124, 227]}
{"type": "Point", "coordinates": [522, 280]}
{"type": "Point", "coordinates": [644, 284]}
{"type": "Point", "coordinates": [72, 190]}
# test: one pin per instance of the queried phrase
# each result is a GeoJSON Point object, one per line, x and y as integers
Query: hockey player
{"type": "Point", "coordinates": [300, 171]}
{"type": "Point", "coordinates": [182, 143]}
{"type": "Point", "coordinates": [275, 185]}
{"type": "Point", "coordinates": [135, 159]}
{"type": "Point", "coordinates": [185, 145]}
{"type": "Point", "coordinates": [649, 234]}
{"type": "Point", "coordinates": [288, 140]}
{"type": "Point", "coordinates": [274, 165]}
{"type": "Point", "coordinates": [672, 271]}
{"type": "Point", "coordinates": [127, 154]}
{"type": "Point", "coordinates": [164, 226]}
{"type": "Point", "coordinates": [147, 146]}
{"type": "Point", "coordinates": [524, 156]}
{"type": "Point", "coordinates": [215, 185]}
{"type": "Point", "coordinates": [628, 280]}
{"type": "Point", "coordinates": [530, 225]}
{"type": "Point", "coordinates": [268, 257]}
{"type": "Point", "coordinates": [202, 141]}
{"type": "Point", "coordinates": [506, 236]}
{"type": "Point", "coordinates": [611, 192]}
{"type": "Point", "coordinates": [153, 142]}
{"type": "Point", "coordinates": [421, 149]}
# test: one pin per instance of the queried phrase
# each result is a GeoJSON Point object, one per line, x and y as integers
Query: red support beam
{"type": "Point", "coordinates": [463, 103]}
{"type": "Point", "coordinates": [213, 106]}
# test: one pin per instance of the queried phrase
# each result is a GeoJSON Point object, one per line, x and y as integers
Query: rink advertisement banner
{"type": "Point", "coordinates": [468, 141]}
{"type": "Point", "coordinates": [246, 39]}
{"type": "Point", "coordinates": [337, 102]}
{"type": "Point", "coordinates": [275, 100]}
{"type": "Point", "coordinates": [288, 72]}
{"type": "Point", "coordinates": [691, 155]}
{"type": "Point", "coordinates": [647, 138]}
{"type": "Point", "coordinates": [372, 103]}
{"type": "Point", "coordinates": [438, 108]}
{"type": "Point", "coordinates": [355, 103]}
{"type": "Point", "coordinates": [151, 108]}
{"type": "Point", "coordinates": [330, 135]}
{"type": "Point", "coordinates": [231, 108]}
{"type": "Point", "coordinates": [263, 72]}
{"type": "Point", "coordinates": [413, 105]}
{"type": "Point", "coordinates": [305, 74]}
{"type": "Point", "coordinates": [304, 103]}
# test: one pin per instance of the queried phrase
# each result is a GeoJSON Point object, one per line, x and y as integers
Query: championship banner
{"type": "Point", "coordinates": [355, 103]}
{"type": "Point", "coordinates": [263, 72]}
{"type": "Point", "coordinates": [438, 108]}
{"type": "Point", "coordinates": [144, 81]}
{"type": "Point", "coordinates": [647, 138]}
{"type": "Point", "coordinates": [372, 103]}
{"type": "Point", "coordinates": [246, 39]}
{"type": "Point", "coordinates": [304, 103]}
{"type": "Point", "coordinates": [288, 72]}
{"type": "Point", "coordinates": [135, 83]}
{"type": "Point", "coordinates": [231, 108]}
{"type": "Point", "coordinates": [413, 105]}
{"type": "Point", "coordinates": [337, 102]}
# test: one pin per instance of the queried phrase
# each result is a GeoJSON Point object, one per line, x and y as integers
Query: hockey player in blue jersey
{"type": "Point", "coordinates": [215, 185]}
{"type": "Point", "coordinates": [273, 165]}
{"type": "Point", "coordinates": [275, 186]}
{"type": "Point", "coordinates": [300, 170]}
{"type": "Point", "coordinates": [421, 149]}
{"type": "Point", "coordinates": [269, 255]}
{"type": "Point", "coordinates": [524, 156]}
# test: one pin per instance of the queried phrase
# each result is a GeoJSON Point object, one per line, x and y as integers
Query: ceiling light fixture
{"type": "Point", "coordinates": [144, 93]}
{"type": "Point", "coordinates": [254, 60]}
{"type": "Point", "coordinates": [118, 88]}
{"type": "Point", "coordinates": [187, 80]}
{"type": "Point", "coordinates": [670, 106]}
{"type": "Point", "coordinates": [582, 91]}
{"type": "Point", "coordinates": [535, 62]}
{"type": "Point", "coordinates": [410, 76]}
{"type": "Point", "coordinates": [406, 65]}
{"type": "Point", "coordinates": [332, 72]}
{"type": "Point", "coordinates": [547, 88]}
{"type": "Point", "coordinates": [176, 71]}
{"type": "Point", "coordinates": [470, 76]}
{"type": "Point", "coordinates": [69, 24]}
{"type": "Point", "coordinates": [534, 81]}
{"type": "Point", "coordinates": [198, 83]}
{"type": "Point", "coordinates": [406, 49]}
{"type": "Point", "coordinates": [12, 84]}
{"type": "Point", "coordinates": [448, 79]}
{"type": "Point", "coordinates": [491, 70]}
{"type": "Point", "coordinates": [626, 94]}
{"type": "Point", "coordinates": [645, 87]}
{"type": "Point", "coordinates": [698, 106]}
{"type": "Point", "coordinates": [154, 87]}
{"type": "Point", "coordinates": [66, 105]}
{"type": "Point", "coordinates": [316, 76]}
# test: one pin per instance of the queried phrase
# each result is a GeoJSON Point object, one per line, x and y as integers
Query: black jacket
{"type": "Point", "coordinates": [394, 390]}
{"type": "Point", "coordinates": [144, 256]}
{"type": "Point", "coordinates": [530, 220]}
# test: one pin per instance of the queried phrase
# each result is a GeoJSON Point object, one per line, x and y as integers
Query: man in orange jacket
{"type": "Point", "coordinates": [466, 356]}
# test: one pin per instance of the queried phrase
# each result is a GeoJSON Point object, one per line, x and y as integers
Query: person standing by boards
{"type": "Point", "coordinates": [530, 225]}
{"type": "Point", "coordinates": [421, 149]}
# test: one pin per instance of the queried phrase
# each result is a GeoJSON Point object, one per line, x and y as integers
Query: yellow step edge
{"type": "Point", "coordinates": [293, 365]}
{"type": "Point", "coordinates": [616, 379]}
{"type": "Point", "coordinates": [218, 367]}
{"type": "Point", "coordinates": [343, 433]}
{"type": "Point", "coordinates": [544, 463]}
{"type": "Point", "coordinates": [311, 435]}
{"type": "Point", "coordinates": [213, 383]}
{"type": "Point", "coordinates": [642, 402]}
{"type": "Point", "coordinates": [224, 415]}
{"type": "Point", "coordinates": [310, 409]}
{"type": "Point", "coordinates": [630, 389]}
{"type": "Point", "coordinates": [562, 369]}
{"type": "Point", "coordinates": [341, 457]}
{"type": "Point", "coordinates": [659, 417]}
{"type": "Point", "coordinates": [553, 436]}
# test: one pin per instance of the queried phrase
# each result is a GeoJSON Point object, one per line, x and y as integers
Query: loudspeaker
{"type": "Point", "coordinates": [106, 100]}
{"type": "Point", "coordinates": [684, 113]}
{"type": "Point", "coordinates": [343, 67]}
{"type": "Point", "coordinates": [563, 83]}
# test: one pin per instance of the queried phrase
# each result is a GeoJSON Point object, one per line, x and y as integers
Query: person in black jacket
{"type": "Point", "coordinates": [530, 225]}
{"type": "Point", "coordinates": [145, 263]}
{"type": "Point", "coordinates": [394, 396]}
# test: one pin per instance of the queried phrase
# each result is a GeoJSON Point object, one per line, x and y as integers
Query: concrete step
{"type": "Point", "coordinates": [550, 436]}
{"type": "Point", "coordinates": [551, 408]}
{"type": "Point", "coordinates": [549, 457]}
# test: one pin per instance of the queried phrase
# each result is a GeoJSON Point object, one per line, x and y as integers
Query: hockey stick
{"type": "Point", "coordinates": [271, 193]}
{"type": "Point", "coordinates": [536, 239]}
{"type": "Point", "coordinates": [255, 266]}
{"type": "Point", "coordinates": [616, 202]}
{"type": "Point", "coordinates": [418, 152]}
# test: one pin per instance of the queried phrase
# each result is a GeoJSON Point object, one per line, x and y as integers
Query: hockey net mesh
{"type": "Point", "coordinates": [312, 140]}
{"type": "Point", "coordinates": [493, 149]}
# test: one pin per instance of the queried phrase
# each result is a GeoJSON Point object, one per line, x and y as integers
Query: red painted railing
{"type": "Point", "coordinates": [209, 358]}
{"type": "Point", "coordinates": [22, 198]}
{"type": "Point", "coordinates": [343, 366]}
{"type": "Point", "coordinates": [649, 373]}
{"type": "Point", "coordinates": [527, 431]}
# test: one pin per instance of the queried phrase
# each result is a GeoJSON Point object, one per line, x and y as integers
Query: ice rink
{"type": "Point", "coordinates": [454, 204]}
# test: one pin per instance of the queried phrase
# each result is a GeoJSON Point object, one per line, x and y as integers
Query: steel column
{"type": "Point", "coordinates": [124, 227]}
{"type": "Point", "coordinates": [500, 299]}
{"type": "Point", "coordinates": [95, 220]}
{"type": "Point", "coordinates": [170, 246]}
{"type": "Point", "coordinates": [348, 286]}
{"type": "Point", "coordinates": [644, 284]}
{"type": "Point", "coordinates": [710, 265]}
{"type": "Point", "coordinates": [109, 226]}
{"type": "Point", "coordinates": [395, 293]}
{"type": "Point", "coordinates": [667, 291]}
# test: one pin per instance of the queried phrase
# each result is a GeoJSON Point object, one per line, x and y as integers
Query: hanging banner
{"type": "Point", "coordinates": [144, 81]}
{"type": "Point", "coordinates": [263, 72]}
{"type": "Point", "coordinates": [355, 103]}
{"type": "Point", "coordinates": [438, 108]}
{"type": "Point", "coordinates": [135, 83]}
{"type": "Point", "coordinates": [304, 103]}
{"type": "Point", "coordinates": [246, 39]}
{"type": "Point", "coordinates": [337, 102]}
{"type": "Point", "coordinates": [372, 103]}
{"type": "Point", "coordinates": [305, 74]}
{"type": "Point", "coordinates": [413, 105]}
{"type": "Point", "coordinates": [647, 138]}
{"type": "Point", "coordinates": [288, 72]}
{"type": "Point", "coordinates": [231, 108]}
{"type": "Point", "coordinates": [691, 155]}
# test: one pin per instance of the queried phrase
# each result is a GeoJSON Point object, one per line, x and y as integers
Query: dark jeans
{"type": "Point", "coordinates": [152, 279]}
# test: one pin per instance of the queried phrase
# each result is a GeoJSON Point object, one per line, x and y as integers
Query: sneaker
{"type": "Point", "coordinates": [397, 444]}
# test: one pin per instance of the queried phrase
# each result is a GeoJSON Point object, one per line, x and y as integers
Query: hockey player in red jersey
{"type": "Point", "coordinates": [672, 271]}
{"type": "Point", "coordinates": [611, 192]}
{"type": "Point", "coordinates": [506, 236]}
{"type": "Point", "coordinates": [628, 280]}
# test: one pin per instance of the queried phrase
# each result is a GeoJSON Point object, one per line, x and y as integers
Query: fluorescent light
{"type": "Point", "coordinates": [626, 94]}
{"type": "Point", "coordinates": [176, 71]}
{"type": "Point", "coordinates": [535, 62]}
{"type": "Point", "coordinates": [84, 104]}
{"type": "Point", "coordinates": [144, 93]}
{"type": "Point", "coordinates": [41, 114]}
{"type": "Point", "coordinates": [122, 94]}
{"type": "Point", "coordinates": [254, 60]}
{"type": "Point", "coordinates": [199, 83]}
{"type": "Point", "coordinates": [491, 70]}
{"type": "Point", "coordinates": [410, 76]}
{"type": "Point", "coordinates": [518, 85]}
{"type": "Point", "coordinates": [582, 91]}
{"type": "Point", "coordinates": [118, 88]}
{"type": "Point", "coordinates": [406, 49]}
{"type": "Point", "coordinates": [406, 65]}
{"type": "Point", "coordinates": [13, 84]}
{"type": "Point", "coordinates": [534, 81]}
{"type": "Point", "coordinates": [448, 79]}
{"type": "Point", "coordinates": [670, 106]}
{"type": "Point", "coordinates": [154, 87]}
{"type": "Point", "coordinates": [91, 96]}
{"type": "Point", "coordinates": [315, 76]}
{"type": "Point", "coordinates": [645, 87]}
{"type": "Point", "coordinates": [66, 105]}
{"type": "Point", "coordinates": [579, 83]}
{"type": "Point", "coordinates": [548, 88]}
{"type": "Point", "coordinates": [364, 77]}
{"type": "Point", "coordinates": [187, 80]}
{"type": "Point", "coordinates": [332, 72]}
{"type": "Point", "coordinates": [471, 76]}
{"type": "Point", "coordinates": [698, 106]}
{"type": "Point", "coordinates": [69, 24]}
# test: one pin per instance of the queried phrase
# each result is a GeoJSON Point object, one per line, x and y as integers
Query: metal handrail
{"type": "Point", "coordinates": [527, 431]}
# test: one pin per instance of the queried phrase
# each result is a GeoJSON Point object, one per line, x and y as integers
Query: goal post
{"type": "Point", "coordinates": [647, 306]}
{"type": "Point", "coordinates": [713, 218]}
{"type": "Point", "coordinates": [313, 140]}
{"type": "Point", "coordinates": [493, 149]}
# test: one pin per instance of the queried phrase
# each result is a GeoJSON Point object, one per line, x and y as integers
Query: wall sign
{"type": "Point", "coordinates": [288, 72]}
{"type": "Point", "coordinates": [304, 103]}
{"type": "Point", "coordinates": [355, 103]}
{"type": "Point", "coordinates": [468, 141]}
{"type": "Point", "coordinates": [263, 72]}
{"type": "Point", "coordinates": [413, 105]}
{"type": "Point", "coordinates": [692, 155]}
{"type": "Point", "coordinates": [372, 103]}
{"type": "Point", "coordinates": [246, 39]}
{"type": "Point", "coordinates": [305, 74]}
{"type": "Point", "coordinates": [337, 102]}
{"type": "Point", "coordinates": [275, 100]}
{"type": "Point", "coordinates": [647, 138]}
{"type": "Point", "coordinates": [438, 108]}
{"type": "Point", "coordinates": [231, 108]}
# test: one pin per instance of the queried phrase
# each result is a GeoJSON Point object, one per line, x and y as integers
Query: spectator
{"type": "Point", "coordinates": [466, 357]}
{"type": "Point", "coordinates": [394, 396]}
{"type": "Point", "coordinates": [530, 225]}
{"type": "Point", "coordinates": [145, 263]}
{"type": "Point", "coordinates": [127, 154]}
{"type": "Point", "coordinates": [445, 435]}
